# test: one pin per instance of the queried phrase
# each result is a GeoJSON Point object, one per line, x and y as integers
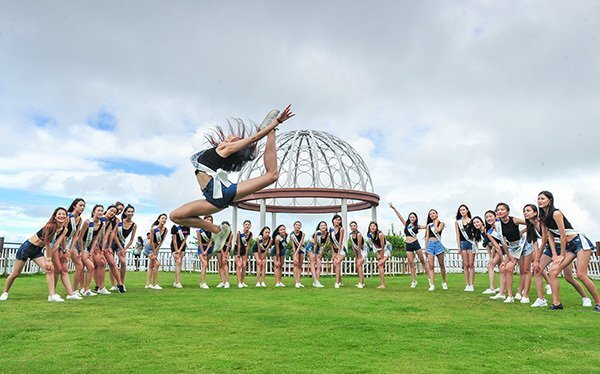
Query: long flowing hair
{"type": "Point", "coordinates": [237, 127]}
{"type": "Point", "coordinates": [51, 226]}
{"type": "Point", "coordinates": [415, 228]}
{"type": "Point", "coordinates": [546, 215]}
{"type": "Point", "coordinates": [429, 220]}
{"type": "Point", "coordinates": [125, 210]}
{"type": "Point", "coordinates": [531, 231]}
{"type": "Point", "coordinates": [155, 223]}
{"type": "Point", "coordinates": [74, 204]}
{"type": "Point", "coordinates": [477, 233]}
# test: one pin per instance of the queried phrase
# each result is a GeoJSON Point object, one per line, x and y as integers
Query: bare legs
{"type": "Point", "coordinates": [18, 268]}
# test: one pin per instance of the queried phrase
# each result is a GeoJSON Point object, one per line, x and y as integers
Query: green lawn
{"type": "Point", "coordinates": [290, 330]}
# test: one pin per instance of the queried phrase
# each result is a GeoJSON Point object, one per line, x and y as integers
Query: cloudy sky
{"type": "Point", "coordinates": [447, 102]}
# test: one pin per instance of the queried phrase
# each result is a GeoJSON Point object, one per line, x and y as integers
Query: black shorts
{"type": "Point", "coordinates": [414, 246]}
{"type": "Point", "coordinates": [243, 250]}
{"type": "Point", "coordinates": [28, 251]}
{"type": "Point", "coordinates": [173, 249]}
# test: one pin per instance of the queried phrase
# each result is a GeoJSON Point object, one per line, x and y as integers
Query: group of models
{"type": "Point", "coordinates": [542, 243]}
{"type": "Point", "coordinates": [547, 237]}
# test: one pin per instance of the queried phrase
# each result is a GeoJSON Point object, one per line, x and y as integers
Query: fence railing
{"type": "Point", "coordinates": [191, 263]}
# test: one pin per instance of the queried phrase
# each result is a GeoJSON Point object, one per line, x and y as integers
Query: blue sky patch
{"type": "Point", "coordinates": [103, 120]}
{"type": "Point", "coordinates": [43, 120]}
{"type": "Point", "coordinates": [136, 167]}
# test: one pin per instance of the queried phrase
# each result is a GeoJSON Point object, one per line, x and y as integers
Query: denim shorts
{"type": "Point", "coordinates": [527, 249]}
{"type": "Point", "coordinates": [209, 251]}
{"type": "Point", "coordinates": [343, 252]}
{"type": "Point", "coordinates": [548, 252]}
{"type": "Point", "coordinates": [255, 249]}
{"type": "Point", "coordinates": [281, 252]}
{"type": "Point", "coordinates": [147, 251]}
{"type": "Point", "coordinates": [28, 251]}
{"type": "Point", "coordinates": [576, 245]}
{"type": "Point", "coordinates": [228, 194]}
{"type": "Point", "coordinates": [412, 247]}
{"type": "Point", "coordinates": [387, 250]}
{"type": "Point", "coordinates": [466, 245]}
{"type": "Point", "coordinates": [435, 248]}
{"type": "Point", "coordinates": [310, 247]}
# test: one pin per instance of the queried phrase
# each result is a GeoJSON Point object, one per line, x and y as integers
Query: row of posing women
{"type": "Point", "coordinates": [533, 248]}
{"type": "Point", "coordinates": [90, 244]}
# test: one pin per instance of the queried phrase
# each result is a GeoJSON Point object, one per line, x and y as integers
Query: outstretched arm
{"type": "Point", "coordinates": [398, 214]}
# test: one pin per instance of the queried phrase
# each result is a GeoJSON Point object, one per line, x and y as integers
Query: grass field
{"type": "Point", "coordinates": [290, 330]}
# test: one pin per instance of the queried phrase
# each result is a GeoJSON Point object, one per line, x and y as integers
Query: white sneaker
{"type": "Point", "coordinates": [263, 284]}
{"type": "Point", "coordinates": [146, 286]}
{"type": "Point", "coordinates": [548, 290]}
{"type": "Point", "coordinates": [226, 285]}
{"type": "Point", "coordinates": [540, 303]}
{"type": "Point", "coordinates": [509, 300]}
{"type": "Point", "coordinates": [240, 285]}
{"type": "Point", "coordinates": [413, 284]}
{"type": "Point", "coordinates": [587, 302]}
{"type": "Point", "coordinates": [496, 290]}
{"type": "Point", "coordinates": [113, 288]}
{"type": "Point", "coordinates": [157, 287]}
{"type": "Point", "coordinates": [276, 284]}
{"type": "Point", "coordinates": [177, 285]}
{"type": "Point", "coordinates": [498, 296]}
{"type": "Point", "coordinates": [431, 287]}
{"type": "Point", "coordinates": [204, 286]}
{"type": "Point", "coordinates": [74, 297]}
{"type": "Point", "coordinates": [360, 285]}
{"type": "Point", "coordinates": [76, 292]}
{"type": "Point", "coordinates": [268, 119]}
{"type": "Point", "coordinates": [444, 286]}
{"type": "Point", "coordinates": [318, 284]}
{"type": "Point", "coordinates": [489, 291]}
{"type": "Point", "coordinates": [336, 285]}
{"type": "Point", "coordinates": [301, 285]}
{"type": "Point", "coordinates": [89, 293]}
{"type": "Point", "coordinates": [297, 285]}
{"type": "Point", "coordinates": [281, 284]}
{"type": "Point", "coordinates": [220, 285]}
{"type": "Point", "coordinates": [103, 291]}
{"type": "Point", "coordinates": [258, 284]}
{"type": "Point", "coordinates": [471, 288]}
{"type": "Point", "coordinates": [518, 296]}
{"type": "Point", "coordinates": [467, 288]}
{"type": "Point", "coordinates": [4, 296]}
{"type": "Point", "coordinates": [55, 298]}
{"type": "Point", "coordinates": [244, 284]}
{"type": "Point", "coordinates": [524, 300]}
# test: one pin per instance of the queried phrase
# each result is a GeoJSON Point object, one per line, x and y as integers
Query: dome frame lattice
{"type": "Point", "coordinates": [318, 172]}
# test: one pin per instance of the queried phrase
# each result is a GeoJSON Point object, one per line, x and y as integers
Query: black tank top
{"type": "Point", "coordinates": [510, 230]}
{"type": "Point", "coordinates": [551, 224]}
{"type": "Point", "coordinates": [376, 240]}
{"type": "Point", "coordinates": [466, 228]}
{"type": "Point", "coordinates": [298, 237]}
{"type": "Point", "coordinates": [248, 239]}
{"type": "Point", "coordinates": [96, 232]}
{"type": "Point", "coordinates": [282, 241]}
{"type": "Point", "coordinates": [163, 232]}
{"type": "Point", "coordinates": [211, 159]}
{"type": "Point", "coordinates": [414, 229]}
{"type": "Point", "coordinates": [126, 232]}
{"type": "Point", "coordinates": [432, 234]}
{"type": "Point", "coordinates": [208, 235]}
{"type": "Point", "coordinates": [354, 239]}
{"type": "Point", "coordinates": [323, 239]}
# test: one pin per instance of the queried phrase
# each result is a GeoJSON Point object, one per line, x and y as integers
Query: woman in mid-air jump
{"type": "Point", "coordinates": [227, 154]}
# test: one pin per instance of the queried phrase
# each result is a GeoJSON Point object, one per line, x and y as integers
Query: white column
{"type": "Point", "coordinates": [374, 213]}
{"type": "Point", "coordinates": [345, 215]}
{"type": "Point", "coordinates": [263, 213]}
{"type": "Point", "coordinates": [234, 218]}
{"type": "Point", "coordinates": [273, 220]}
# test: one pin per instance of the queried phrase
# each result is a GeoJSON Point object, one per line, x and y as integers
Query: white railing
{"type": "Point", "coordinates": [191, 263]}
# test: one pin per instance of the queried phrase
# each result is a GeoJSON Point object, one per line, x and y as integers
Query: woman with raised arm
{"type": "Point", "coordinates": [261, 246]}
{"type": "Point", "coordinates": [338, 248]}
{"type": "Point", "coordinates": [50, 236]}
{"type": "Point", "coordinates": [376, 241]}
{"type": "Point", "coordinates": [360, 252]}
{"type": "Point", "coordinates": [179, 235]}
{"type": "Point", "coordinates": [205, 249]}
{"type": "Point", "coordinates": [435, 249]}
{"type": "Point", "coordinates": [465, 245]}
{"type": "Point", "coordinates": [298, 249]}
{"type": "Point", "coordinates": [241, 250]}
{"type": "Point", "coordinates": [280, 241]}
{"type": "Point", "coordinates": [158, 233]}
{"type": "Point", "coordinates": [228, 154]}
{"type": "Point", "coordinates": [315, 249]}
{"type": "Point", "coordinates": [575, 245]}
{"type": "Point", "coordinates": [411, 229]}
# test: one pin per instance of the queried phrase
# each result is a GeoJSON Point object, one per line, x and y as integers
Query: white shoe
{"type": "Point", "coordinates": [496, 290]}
{"type": "Point", "coordinates": [281, 284]}
{"type": "Point", "coordinates": [444, 286]}
{"type": "Point", "coordinates": [55, 298]}
{"type": "Point", "coordinates": [498, 296]}
{"type": "Point", "coordinates": [263, 284]}
{"type": "Point", "coordinates": [89, 293]}
{"type": "Point", "coordinates": [268, 119]}
{"type": "Point", "coordinates": [157, 287]}
{"type": "Point", "coordinates": [258, 284]}
{"type": "Point", "coordinates": [587, 302]}
{"type": "Point", "coordinates": [220, 285]}
{"type": "Point", "coordinates": [336, 285]}
{"type": "Point", "coordinates": [489, 291]}
{"type": "Point", "coordinates": [220, 238]}
{"type": "Point", "coordinates": [540, 303]}
{"type": "Point", "coordinates": [177, 285]}
{"type": "Point", "coordinates": [276, 284]}
{"type": "Point", "coordinates": [413, 284]}
{"type": "Point", "coordinates": [518, 296]}
{"type": "Point", "coordinates": [76, 292]}
{"type": "Point", "coordinates": [467, 288]}
{"type": "Point", "coordinates": [360, 285]}
{"type": "Point", "coordinates": [148, 286]}
{"type": "Point", "coordinates": [509, 300]}
{"type": "Point", "coordinates": [113, 288]}
{"type": "Point", "coordinates": [524, 300]}
{"type": "Point", "coordinates": [301, 285]}
{"type": "Point", "coordinates": [244, 284]}
{"type": "Point", "coordinates": [103, 291]}
{"type": "Point", "coordinates": [548, 290]}
{"type": "Point", "coordinates": [297, 285]}
{"type": "Point", "coordinates": [240, 285]}
{"type": "Point", "coordinates": [471, 288]}
{"type": "Point", "coordinates": [4, 296]}
{"type": "Point", "coordinates": [226, 285]}
{"type": "Point", "coordinates": [204, 286]}
{"type": "Point", "coordinates": [431, 287]}
{"type": "Point", "coordinates": [74, 297]}
{"type": "Point", "coordinates": [317, 284]}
